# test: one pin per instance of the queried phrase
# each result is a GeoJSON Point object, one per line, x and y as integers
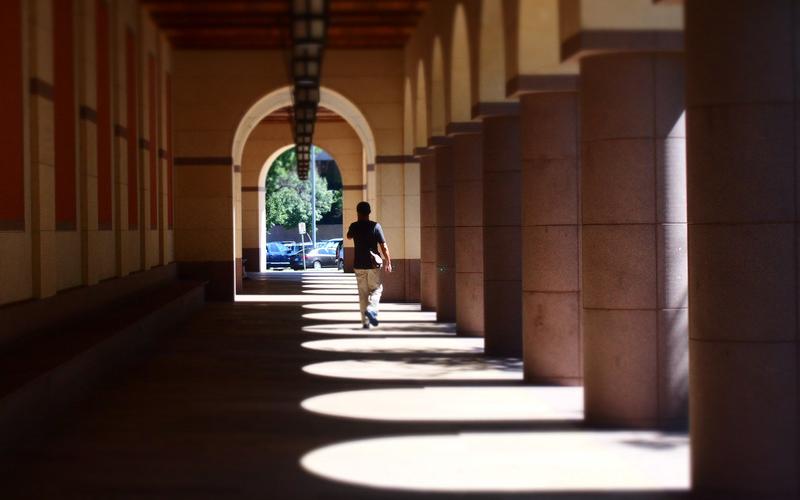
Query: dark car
{"type": "Point", "coordinates": [322, 257]}
{"type": "Point", "coordinates": [325, 255]}
{"type": "Point", "coordinates": [297, 247]}
{"type": "Point", "coordinates": [277, 255]}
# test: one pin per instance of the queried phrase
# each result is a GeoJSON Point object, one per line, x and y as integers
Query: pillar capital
{"type": "Point", "coordinates": [592, 43]}
{"type": "Point", "coordinates": [438, 141]}
{"type": "Point", "coordinates": [483, 110]}
{"type": "Point", "coordinates": [526, 84]}
{"type": "Point", "coordinates": [422, 151]}
{"type": "Point", "coordinates": [460, 128]}
{"type": "Point", "coordinates": [589, 27]}
{"type": "Point", "coordinates": [395, 159]}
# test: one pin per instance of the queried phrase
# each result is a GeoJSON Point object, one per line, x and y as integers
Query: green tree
{"type": "Point", "coordinates": [288, 199]}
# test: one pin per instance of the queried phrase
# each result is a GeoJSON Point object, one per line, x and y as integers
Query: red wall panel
{"type": "Point", "coordinates": [132, 110]}
{"type": "Point", "coordinates": [152, 133]}
{"type": "Point", "coordinates": [168, 147]}
{"type": "Point", "coordinates": [12, 170]}
{"type": "Point", "coordinates": [104, 215]}
{"type": "Point", "coordinates": [65, 114]}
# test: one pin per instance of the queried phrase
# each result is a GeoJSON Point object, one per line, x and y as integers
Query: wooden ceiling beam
{"type": "Point", "coordinates": [210, 19]}
{"type": "Point", "coordinates": [210, 43]}
{"type": "Point", "coordinates": [265, 24]}
{"type": "Point", "coordinates": [334, 32]}
{"type": "Point", "coordinates": [218, 6]}
{"type": "Point", "coordinates": [282, 6]}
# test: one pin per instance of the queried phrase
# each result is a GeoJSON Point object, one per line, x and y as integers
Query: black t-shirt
{"type": "Point", "coordinates": [366, 235]}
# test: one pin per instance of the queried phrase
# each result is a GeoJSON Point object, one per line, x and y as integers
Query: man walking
{"type": "Point", "coordinates": [368, 237]}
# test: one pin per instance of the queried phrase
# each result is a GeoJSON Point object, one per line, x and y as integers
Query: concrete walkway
{"type": "Point", "coordinates": [283, 395]}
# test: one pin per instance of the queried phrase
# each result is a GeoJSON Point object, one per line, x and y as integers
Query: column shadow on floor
{"type": "Point", "coordinates": [217, 412]}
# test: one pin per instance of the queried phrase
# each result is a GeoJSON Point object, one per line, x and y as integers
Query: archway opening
{"type": "Point", "coordinates": [265, 132]}
{"type": "Point", "coordinates": [297, 236]}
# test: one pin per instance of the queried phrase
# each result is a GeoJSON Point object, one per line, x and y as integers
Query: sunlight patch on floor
{"type": "Point", "coordinates": [510, 462]}
{"type": "Point", "coordinates": [295, 298]}
{"type": "Point", "coordinates": [454, 404]}
{"type": "Point", "coordinates": [413, 316]}
{"type": "Point", "coordinates": [334, 279]}
{"type": "Point", "coordinates": [421, 368]}
{"type": "Point", "coordinates": [384, 330]}
{"type": "Point", "coordinates": [453, 345]}
{"type": "Point", "coordinates": [329, 286]}
{"type": "Point", "coordinates": [355, 307]}
{"type": "Point", "coordinates": [310, 272]}
{"type": "Point", "coordinates": [332, 291]}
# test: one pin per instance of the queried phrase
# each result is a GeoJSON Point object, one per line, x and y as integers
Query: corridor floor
{"type": "Point", "coordinates": [283, 395]}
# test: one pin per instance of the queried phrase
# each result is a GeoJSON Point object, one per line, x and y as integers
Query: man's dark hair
{"type": "Point", "coordinates": [363, 208]}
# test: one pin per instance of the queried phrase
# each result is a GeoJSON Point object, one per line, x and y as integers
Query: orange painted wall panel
{"type": "Point", "coordinates": [12, 170]}
{"type": "Point", "coordinates": [132, 130]}
{"type": "Point", "coordinates": [65, 115]}
{"type": "Point", "coordinates": [169, 150]}
{"type": "Point", "coordinates": [104, 215]}
{"type": "Point", "coordinates": [152, 133]}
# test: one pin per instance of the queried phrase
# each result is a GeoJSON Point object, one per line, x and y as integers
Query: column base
{"type": "Point", "coordinates": [218, 274]}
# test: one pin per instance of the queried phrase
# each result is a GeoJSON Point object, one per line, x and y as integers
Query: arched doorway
{"type": "Point", "coordinates": [279, 209]}
{"type": "Point", "coordinates": [352, 143]}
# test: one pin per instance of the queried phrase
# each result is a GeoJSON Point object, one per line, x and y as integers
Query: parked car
{"type": "Point", "coordinates": [332, 243]}
{"type": "Point", "coordinates": [277, 255]}
{"type": "Point", "coordinates": [337, 245]}
{"type": "Point", "coordinates": [297, 247]}
{"type": "Point", "coordinates": [316, 258]}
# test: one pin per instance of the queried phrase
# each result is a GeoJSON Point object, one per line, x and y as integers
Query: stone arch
{"type": "Point", "coordinates": [421, 108]}
{"type": "Point", "coordinates": [437, 100]}
{"type": "Point", "coordinates": [460, 69]}
{"type": "Point", "coordinates": [262, 205]}
{"type": "Point", "coordinates": [270, 103]}
{"type": "Point", "coordinates": [282, 97]}
{"type": "Point", "coordinates": [262, 202]}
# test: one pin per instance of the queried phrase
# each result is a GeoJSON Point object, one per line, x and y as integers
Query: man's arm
{"type": "Point", "coordinates": [383, 247]}
{"type": "Point", "coordinates": [386, 257]}
{"type": "Point", "coordinates": [350, 232]}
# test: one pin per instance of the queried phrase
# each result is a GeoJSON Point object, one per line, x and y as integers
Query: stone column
{"type": "Point", "coordinates": [427, 209]}
{"type": "Point", "coordinates": [634, 262]}
{"type": "Point", "coordinates": [42, 153]}
{"type": "Point", "coordinates": [551, 238]}
{"type": "Point", "coordinates": [411, 227]}
{"type": "Point", "coordinates": [468, 230]}
{"type": "Point", "coordinates": [445, 243]}
{"type": "Point", "coordinates": [252, 253]}
{"type": "Point", "coordinates": [238, 235]}
{"type": "Point", "coordinates": [390, 197]}
{"type": "Point", "coordinates": [743, 255]}
{"type": "Point", "coordinates": [502, 282]}
{"type": "Point", "coordinates": [87, 146]}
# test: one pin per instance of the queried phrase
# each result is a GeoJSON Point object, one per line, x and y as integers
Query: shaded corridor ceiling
{"type": "Point", "coordinates": [264, 24]}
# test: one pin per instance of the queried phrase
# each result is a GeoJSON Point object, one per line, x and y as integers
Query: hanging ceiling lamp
{"type": "Point", "coordinates": [309, 25]}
